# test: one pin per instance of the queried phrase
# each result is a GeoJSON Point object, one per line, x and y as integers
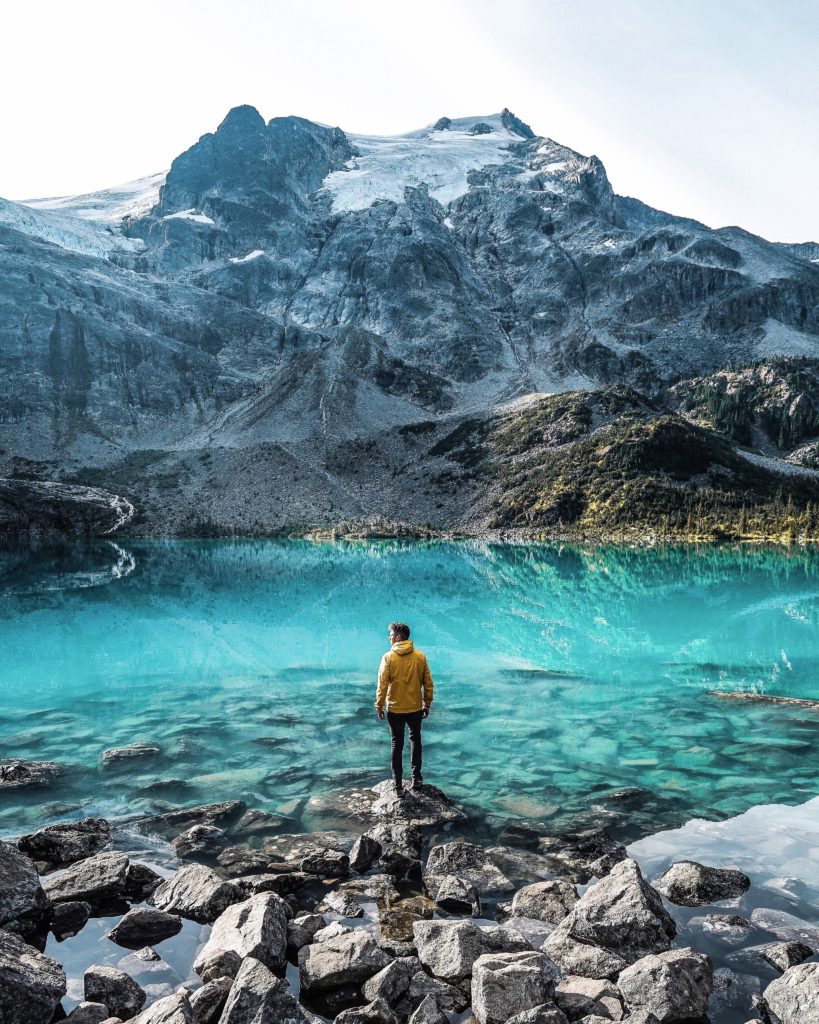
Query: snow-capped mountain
{"type": "Point", "coordinates": [288, 288]}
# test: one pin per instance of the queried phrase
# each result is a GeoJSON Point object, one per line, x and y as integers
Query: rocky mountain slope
{"type": "Point", "coordinates": [267, 337]}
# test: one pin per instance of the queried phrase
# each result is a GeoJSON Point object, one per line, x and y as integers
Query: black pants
{"type": "Point", "coordinates": [397, 721]}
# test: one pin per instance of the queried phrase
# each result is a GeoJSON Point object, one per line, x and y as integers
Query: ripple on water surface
{"type": "Point", "coordinates": [572, 685]}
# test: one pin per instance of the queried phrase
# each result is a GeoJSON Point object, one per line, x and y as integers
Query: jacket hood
{"type": "Point", "coordinates": [403, 647]}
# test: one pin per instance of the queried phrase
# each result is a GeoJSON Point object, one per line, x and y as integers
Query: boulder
{"type": "Point", "coordinates": [621, 914]}
{"type": "Point", "coordinates": [503, 938]}
{"type": "Point", "coordinates": [198, 841]}
{"type": "Point", "coordinates": [393, 981]}
{"type": "Point", "coordinates": [505, 984]}
{"type": "Point", "coordinates": [196, 892]}
{"type": "Point", "coordinates": [453, 998]}
{"type": "Point", "coordinates": [378, 887]}
{"type": "Point", "coordinates": [674, 986]}
{"type": "Point", "coordinates": [69, 919]}
{"type": "Point", "coordinates": [689, 884]}
{"type": "Point", "coordinates": [115, 989]}
{"type": "Point", "coordinates": [466, 861]}
{"type": "Point", "coordinates": [580, 997]}
{"type": "Point", "coordinates": [784, 955]}
{"type": "Point", "coordinates": [546, 1013]}
{"type": "Point", "coordinates": [283, 884]}
{"type": "Point", "coordinates": [208, 1002]}
{"type": "Point", "coordinates": [346, 959]}
{"type": "Point", "coordinates": [428, 1012]}
{"type": "Point", "coordinates": [23, 903]}
{"type": "Point", "coordinates": [290, 849]}
{"type": "Point", "coordinates": [171, 823]}
{"type": "Point", "coordinates": [424, 806]}
{"type": "Point", "coordinates": [93, 880]}
{"type": "Point", "coordinates": [327, 863]}
{"type": "Point", "coordinates": [242, 860]}
{"type": "Point", "coordinates": [545, 901]}
{"type": "Point", "coordinates": [18, 774]}
{"type": "Point", "coordinates": [257, 927]}
{"type": "Point", "coordinates": [257, 996]}
{"type": "Point", "coordinates": [88, 1013]}
{"type": "Point", "coordinates": [794, 998]}
{"type": "Point", "coordinates": [301, 929]}
{"type": "Point", "coordinates": [448, 948]}
{"type": "Point", "coordinates": [140, 882]}
{"type": "Point", "coordinates": [457, 895]}
{"type": "Point", "coordinates": [365, 853]}
{"type": "Point", "coordinates": [581, 958]}
{"type": "Point", "coordinates": [173, 1009]}
{"type": "Point", "coordinates": [144, 926]}
{"type": "Point", "coordinates": [66, 843]}
{"type": "Point", "coordinates": [331, 931]}
{"type": "Point", "coordinates": [582, 855]}
{"type": "Point", "coordinates": [376, 1012]}
{"type": "Point", "coordinates": [31, 985]}
{"type": "Point", "coordinates": [122, 756]}
{"type": "Point", "coordinates": [342, 903]}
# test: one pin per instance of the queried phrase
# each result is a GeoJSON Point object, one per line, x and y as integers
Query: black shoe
{"type": "Point", "coordinates": [416, 782]}
{"type": "Point", "coordinates": [399, 790]}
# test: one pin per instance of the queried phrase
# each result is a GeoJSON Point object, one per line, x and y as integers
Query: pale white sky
{"type": "Point", "coordinates": [705, 108]}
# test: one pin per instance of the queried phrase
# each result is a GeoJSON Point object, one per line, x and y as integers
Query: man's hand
{"type": "Point", "coordinates": [380, 713]}
{"type": "Point", "coordinates": [425, 711]}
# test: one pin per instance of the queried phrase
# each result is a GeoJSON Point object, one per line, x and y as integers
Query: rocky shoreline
{"type": "Point", "coordinates": [403, 920]}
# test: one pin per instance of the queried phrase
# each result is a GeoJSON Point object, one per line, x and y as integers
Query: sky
{"type": "Point", "coordinates": [704, 108]}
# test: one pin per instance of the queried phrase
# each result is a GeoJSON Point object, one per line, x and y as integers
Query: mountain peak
{"type": "Point", "coordinates": [244, 116]}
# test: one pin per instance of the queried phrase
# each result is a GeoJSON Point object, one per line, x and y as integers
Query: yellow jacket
{"type": "Point", "coordinates": [402, 676]}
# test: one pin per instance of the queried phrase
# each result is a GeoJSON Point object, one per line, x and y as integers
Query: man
{"type": "Point", "coordinates": [405, 685]}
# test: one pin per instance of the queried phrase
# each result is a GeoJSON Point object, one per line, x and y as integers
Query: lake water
{"type": "Point", "coordinates": [571, 685]}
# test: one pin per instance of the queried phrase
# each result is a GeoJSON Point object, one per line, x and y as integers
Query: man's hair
{"type": "Point", "coordinates": [401, 630]}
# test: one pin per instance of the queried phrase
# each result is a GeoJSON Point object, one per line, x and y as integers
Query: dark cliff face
{"type": "Point", "coordinates": [293, 286]}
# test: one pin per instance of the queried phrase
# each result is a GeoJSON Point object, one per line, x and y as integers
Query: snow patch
{"type": "Point", "coordinates": [385, 165]}
{"type": "Point", "coordinates": [197, 218]}
{"type": "Point", "coordinates": [109, 205]}
{"type": "Point", "coordinates": [69, 232]}
{"type": "Point", "coordinates": [448, 223]}
{"type": "Point", "coordinates": [778, 465]}
{"type": "Point", "coordinates": [246, 259]}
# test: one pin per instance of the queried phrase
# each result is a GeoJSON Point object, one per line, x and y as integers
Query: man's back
{"type": "Point", "coordinates": [404, 679]}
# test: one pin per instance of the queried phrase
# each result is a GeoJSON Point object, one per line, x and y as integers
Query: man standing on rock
{"type": "Point", "coordinates": [405, 685]}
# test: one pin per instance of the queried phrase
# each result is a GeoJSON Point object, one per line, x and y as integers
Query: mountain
{"type": "Point", "coordinates": [278, 333]}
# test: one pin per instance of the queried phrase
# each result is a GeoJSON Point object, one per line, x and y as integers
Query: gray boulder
{"type": "Point", "coordinates": [140, 882]}
{"type": "Point", "coordinates": [546, 1013]}
{"type": "Point", "coordinates": [689, 884]}
{"type": "Point", "coordinates": [458, 895]}
{"type": "Point", "coordinates": [259, 997]}
{"type": "Point", "coordinates": [504, 984]}
{"type": "Point", "coordinates": [256, 928]}
{"type": "Point", "coordinates": [448, 948]}
{"type": "Point", "coordinates": [794, 998]}
{"type": "Point", "coordinates": [428, 1012]}
{"type": "Point", "coordinates": [242, 860]}
{"type": "Point", "coordinates": [425, 806]}
{"type": "Point", "coordinates": [198, 841]}
{"type": "Point", "coordinates": [88, 1013]}
{"type": "Point", "coordinates": [68, 842]}
{"type": "Point", "coordinates": [503, 938]}
{"type": "Point", "coordinates": [351, 958]}
{"type": "Point", "coordinates": [144, 926]}
{"type": "Point", "coordinates": [173, 1009]}
{"type": "Point", "coordinates": [343, 903]}
{"type": "Point", "coordinates": [301, 929]}
{"type": "Point", "coordinates": [327, 863]}
{"type": "Point", "coordinates": [376, 1012]}
{"type": "Point", "coordinates": [674, 986]}
{"type": "Point", "coordinates": [94, 880]}
{"type": "Point", "coordinates": [22, 898]}
{"type": "Point", "coordinates": [545, 901]}
{"type": "Point", "coordinates": [31, 985]}
{"type": "Point", "coordinates": [18, 774]}
{"type": "Point", "coordinates": [582, 855]}
{"type": "Point", "coordinates": [467, 861]}
{"type": "Point", "coordinates": [69, 919]}
{"type": "Point", "coordinates": [784, 955]}
{"type": "Point", "coordinates": [580, 997]}
{"type": "Point", "coordinates": [581, 958]}
{"type": "Point", "coordinates": [365, 853]}
{"type": "Point", "coordinates": [196, 892]}
{"type": "Point", "coordinates": [282, 883]}
{"type": "Point", "coordinates": [453, 998]}
{"type": "Point", "coordinates": [208, 1002]}
{"type": "Point", "coordinates": [114, 989]}
{"type": "Point", "coordinates": [620, 914]}
{"type": "Point", "coordinates": [171, 823]}
{"type": "Point", "coordinates": [393, 981]}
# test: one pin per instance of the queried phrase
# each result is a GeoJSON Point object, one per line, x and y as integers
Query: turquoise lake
{"type": "Point", "coordinates": [571, 685]}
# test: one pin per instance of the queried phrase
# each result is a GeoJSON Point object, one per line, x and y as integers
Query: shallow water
{"type": "Point", "coordinates": [563, 677]}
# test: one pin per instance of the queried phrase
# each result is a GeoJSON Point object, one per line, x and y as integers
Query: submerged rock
{"type": "Point", "coordinates": [31, 985]}
{"type": "Point", "coordinates": [94, 880]}
{"type": "Point", "coordinates": [23, 903]}
{"type": "Point", "coordinates": [68, 842]}
{"type": "Point", "coordinates": [115, 989]}
{"type": "Point", "coordinates": [144, 926]}
{"type": "Point", "coordinates": [119, 756]}
{"type": "Point", "coordinates": [504, 984]}
{"type": "Point", "coordinates": [674, 986]}
{"type": "Point", "coordinates": [794, 998]}
{"type": "Point", "coordinates": [197, 892]}
{"type": "Point", "coordinates": [255, 928]}
{"type": "Point", "coordinates": [16, 774]}
{"type": "Point", "coordinates": [690, 884]}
